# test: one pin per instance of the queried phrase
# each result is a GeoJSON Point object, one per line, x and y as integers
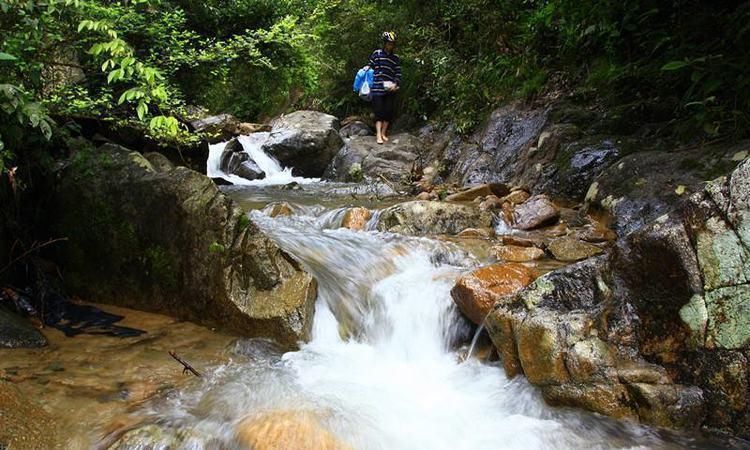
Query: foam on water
{"type": "Point", "coordinates": [380, 371]}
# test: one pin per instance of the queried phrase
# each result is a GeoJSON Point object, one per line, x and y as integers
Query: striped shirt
{"type": "Point", "coordinates": [387, 67]}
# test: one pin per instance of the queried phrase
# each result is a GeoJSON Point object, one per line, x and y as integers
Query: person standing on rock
{"type": "Point", "coordinates": [387, 80]}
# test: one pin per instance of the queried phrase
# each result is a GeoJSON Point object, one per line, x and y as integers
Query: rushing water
{"type": "Point", "coordinates": [252, 145]}
{"type": "Point", "coordinates": [382, 370]}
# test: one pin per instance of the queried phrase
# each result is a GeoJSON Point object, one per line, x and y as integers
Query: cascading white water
{"type": "Point", "coordinates": [252, 145]}
{"type": "Point", "coordinates": [380, 371]}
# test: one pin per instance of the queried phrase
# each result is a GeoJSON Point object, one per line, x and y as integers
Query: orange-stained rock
{"type": "Point", "coordinates": [424, 196]}
{"type": "Point", "coordinates": [476, 292]}
{"type": "Point", "coordinates": [513, 253]}
{"type": "Point", "coordinates": [521, 241]}
{"type": "Point", "coordinates": [286, 430]}
{"type": "Point", "coordinates": [356, 219]}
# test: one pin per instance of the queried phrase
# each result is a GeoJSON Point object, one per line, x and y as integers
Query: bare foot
{"type": "Point", "coordinates": [380, 140]}
{"type": "Point", "coordinates": [385, 138]}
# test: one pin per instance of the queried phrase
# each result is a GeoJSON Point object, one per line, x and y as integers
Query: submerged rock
{"type": "Point", "coordinates": [171, 242]}
{"type": "Point", "coordinates": [418, 218]}
{"type": "Point", "coordinates": [16, 332]}
{"type": "Point", "coordinates": [305, 140]}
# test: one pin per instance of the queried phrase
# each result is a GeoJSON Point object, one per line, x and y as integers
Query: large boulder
{"type": "Point", "coordinates": [171, 242]}
{"type": "Point", "coordinates": [419, 218]}
{"type": "Point", "coordinates": [643, 186]}
{"type": "Point", "coordinates": [363, 156]}
{"type": "Point", "coordinates": [15, 332]}
{"type": "Point", "coordinates": [304, 140]}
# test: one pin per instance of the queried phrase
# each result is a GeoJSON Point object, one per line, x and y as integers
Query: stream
{"type": "Point", "coordinates": [386, 367]}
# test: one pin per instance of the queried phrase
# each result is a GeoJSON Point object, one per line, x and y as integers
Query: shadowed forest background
{"type": "Point", "coordinates": [681, 63]}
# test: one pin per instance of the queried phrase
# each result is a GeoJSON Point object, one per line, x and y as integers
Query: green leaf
{"type": "Point", "coordinates": [141, 109]}
{"type": "Point", "coordinates": [7, 57]}
{"type": "Point", "coordinates": [675, 65]}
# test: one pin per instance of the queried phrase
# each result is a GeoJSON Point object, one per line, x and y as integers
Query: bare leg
{"type": "Point", "coordinates": [379, 131]}
{"type": "Point", "coordinates": [385, 131]}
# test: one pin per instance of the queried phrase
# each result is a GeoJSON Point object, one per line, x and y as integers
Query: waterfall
{"type": "Point", "coordinates": [253, 146]}
{"type": "Point", "coordinates": [381, 371]}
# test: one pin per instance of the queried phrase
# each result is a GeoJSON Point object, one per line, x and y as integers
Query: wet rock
{"type": "Point", "coordinates": [660, 275]}
{"type": "Point", "coordinates": [15, 332]}
{"type": "Point", "coordinates": [279, 430]}
{"type": "Point", "coordinates": [643, 186]}
{"type": "Point", "coordinates": [477, 233]}
{"type": "Point", "coordinates": [591, 361]}
{"type": "Point", "coordinates": [481, 190]}
{"type": "Point", "coordinates": [356, 219]}
{"type": "Point", "coordinates": [153, 436]}
{"type": "Point", "coordinates": [594, 234]}
{"type": "Point", "coordinates": [305, 140]}
{"type": "Point", "coordinates": [171, 242]}
{"type": "Point", "coordinates": [424, 196]}
{"type": "Point", "coordinates": [608, 399]}
{"type": "Point", "coordinates": [580, 163]}
{"type": "Point", "coordinates": [571, 249]}
{"type": "Point", "coordinates": [23, 423]}
{"type": "Point", "coordinates": [490, 203]}
{"type": "Point", "coordinates": [159, 162]}
{"type": "Point", "coordinates": [249, 170]}
{"type": "Point", "coordinates": [668, 405]}
{"type": "Point", "coordinates": [512, 253]}
{"type": "Point", "coordinates": [493, 154]}
{"type": "Point", "coordinates": [535, 212]}
{"type": "Point", "coordinates": [516, 197]}
{"type": "Point", "coordinates": [522, 241]}
{"type": "Point", "coordinates": [641, 372]}
{"type": "Point", "coordinates": [424, 218]}
{"type": "Point", "coordinates": [475, 293]}
{"type": "Point", "coordinates": [542, 344]}
{"type": "Point", "coordinates": [393, 160]}
{"type": "Point", "coordinates": [356, 128]}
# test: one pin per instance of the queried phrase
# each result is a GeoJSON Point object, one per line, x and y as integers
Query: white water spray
{"type": "Point", "coordinates": [252, 145]}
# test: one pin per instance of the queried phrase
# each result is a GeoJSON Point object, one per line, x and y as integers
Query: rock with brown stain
{"type": "Point", "coordinates": [476, 292]}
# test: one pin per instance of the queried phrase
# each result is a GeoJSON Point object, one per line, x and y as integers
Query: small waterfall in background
{"type": "Point", "coordinates": [252, 145]}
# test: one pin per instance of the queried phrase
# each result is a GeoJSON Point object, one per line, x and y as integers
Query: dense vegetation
{"type": "Point", "coordinates": [147, 60]}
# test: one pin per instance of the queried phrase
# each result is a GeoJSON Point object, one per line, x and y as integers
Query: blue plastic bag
{"type": "Point", "coordinates": [363, 82]}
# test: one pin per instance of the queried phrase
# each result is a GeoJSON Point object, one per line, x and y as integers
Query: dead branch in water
{"type": "Point", "coordinates": [186, 367]}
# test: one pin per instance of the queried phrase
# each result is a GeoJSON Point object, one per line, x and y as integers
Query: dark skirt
{"type": "Point", "coordinates": [383, 106]}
